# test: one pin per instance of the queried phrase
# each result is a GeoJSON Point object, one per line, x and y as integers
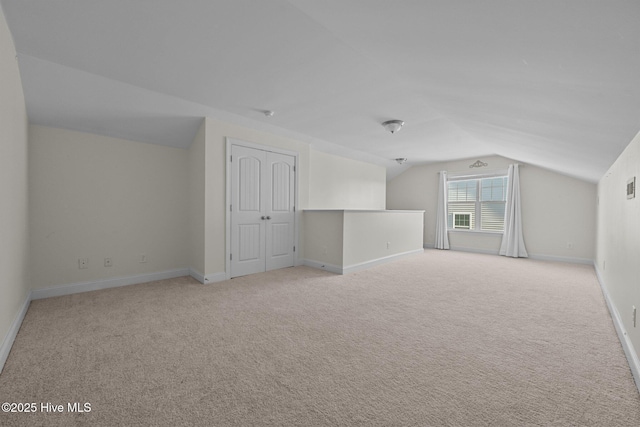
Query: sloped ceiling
{"type": "Point", "coordinates": [549, 82]}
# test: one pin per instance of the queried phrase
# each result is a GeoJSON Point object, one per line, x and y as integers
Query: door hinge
{"type": "Point", "coordinates": [230, 257]}
{"type": "Point", "coordinates": [230, 208]}
{"type": "Point", "coordinates": [294, 208]}
{"type": "Point", "coordinates": [294, 249]}
{"type": "Point", "coordinates": [294, 168]}
{"type": "Point", "coordinates": [231, 158]}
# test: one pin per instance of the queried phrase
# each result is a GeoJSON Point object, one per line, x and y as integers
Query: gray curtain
{"type": "Point", "coordinates": [512, 241]}
{"type": "Point", "coordinates": [442, 238]}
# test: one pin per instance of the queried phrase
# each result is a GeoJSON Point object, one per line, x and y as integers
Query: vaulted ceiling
{"type": "Point", "coordinates": [554, 83]}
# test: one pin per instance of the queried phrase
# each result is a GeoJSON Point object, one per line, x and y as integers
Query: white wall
{"type": "Point", "coordinates": [618, 241]}
{"type": "Point", "coordinates": [324, 237]}
{"type": "Point", "coordinates": [558, 211]}
{"type": "Point", "coordinates": [14, 283]}
{"type": "Point", "coordinates": [376, 235]}
{"type": "Point", "coordinates": [197, 186]}
{"type": "Point", "coordinates": [340, 183]}
{"type": "Point", "coordinates": [357, 184]}
{"type": "Point", "coordinates": [216, 133]}
{"type": "Point", "coordinates": [343, 241]}
{"type": "Point", "coordinates": [94, 197]}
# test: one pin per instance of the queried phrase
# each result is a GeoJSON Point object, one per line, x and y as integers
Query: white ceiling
{"type": "Point", "coordinates": [549, 82]}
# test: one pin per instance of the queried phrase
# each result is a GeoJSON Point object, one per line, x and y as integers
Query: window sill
{"type": "Point", "coordinates": [490, 233]}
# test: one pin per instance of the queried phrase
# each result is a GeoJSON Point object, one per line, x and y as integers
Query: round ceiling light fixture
{"type": "Point", "coordinates": [393, 126]}
{"type": "Point", "coordinates": [400, 160]}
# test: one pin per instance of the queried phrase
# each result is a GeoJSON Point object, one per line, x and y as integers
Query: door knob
{"type": "Point", "coordinates": [268, 217]}
{"type": "Point", "coordinates": [263, 217]}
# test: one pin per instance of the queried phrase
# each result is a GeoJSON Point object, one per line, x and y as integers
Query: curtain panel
{"type": "Point", "coordinates": [512, 240]}
{"type": "Point", "coordinates": [442, 238]}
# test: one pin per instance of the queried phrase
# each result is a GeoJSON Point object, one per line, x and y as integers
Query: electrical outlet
{"type": "Point", "coordinates": [143, 258]}
{"type": "Point", "coordinates": [569, 245]}
{"type": "Point", "coordinates": [388, 245]}
{"type": "Point", "coordinates": [634, 315]}
{"type": "Point", "coordinates": [83, 263]}
{"type": "Point", "coordinates": [108, 262]}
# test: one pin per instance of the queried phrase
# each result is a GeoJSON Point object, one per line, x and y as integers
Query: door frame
{"type": "Point", "coordinates": [227, 214]}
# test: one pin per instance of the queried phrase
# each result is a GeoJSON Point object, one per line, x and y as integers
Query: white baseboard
{"type": "Point", "coordinates": [368, 264]}
{"type": "Point", "coordinates": [627, 345]}
{"type": "Point", "coordinates": [571, 260]}
{"type": "Point", "coordinates": [209, 278]}
{"type": "Point", "coordinates": [464, 249]}
{"type": "Point", "coordinates": [323, 266]}
{"type": "Point", "coordinates": [196, 274]}
{"type": "Point", "coordinates": [215, 277]}
{"type": "Point", "coordinates": [8, 340]}
{"type": "Point", "coordinates": [474, 250]}
{"type": "Point", "coordinates": [115, 282]}
{"type": "Point", "coordinates": [358, 267]}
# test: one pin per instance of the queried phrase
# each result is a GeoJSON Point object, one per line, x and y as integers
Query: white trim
{"type": "Point", "coordinates": [473, 231]}
{"type": "Point", "coordinates": [361, 266]}
{"type": "Point", "coordinates": [196, 274]}
{"type": "Point", "coordinates": [323, 266]}
{"type": "Point", "coordinates": [475, 250]}
{"type": "Point", "coordinates": [297, 217]}
{"type": "Point", "coordinates": [627, 345]}
{"type": "Point", "coordinates": [538, 257]}
{"type": "Point", "coordinates": [368, 264]}
{"type": "Point", "coordinates": [479, 175]}
{"type": "Point", "coordinates": [10, 337]}
{"type": "Point", "coordinates": [258, 146]}
{"type": "Point", "coordinates": [227, 204]}
{"type": "Point", "coordinates": [366, 210]}
{"type": "Point", "coordinates": [215, 277]}
{"type": "Point", "coordinates": [209, 278]}
{"type": "Point", "coordinates": [571, 260]}
{"type": "Point", "coordinates": [74, 288]}
{"type": "Point", "coordinates": [461, 228]}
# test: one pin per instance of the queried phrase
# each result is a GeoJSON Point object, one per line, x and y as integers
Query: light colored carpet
{"type": "Point", "coordinates": [438, 339]}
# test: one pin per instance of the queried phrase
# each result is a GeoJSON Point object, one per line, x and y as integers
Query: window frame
{"type": "Point", "coordinates": [478, 203]}
{"type": "Point", "coordinates": [468, 227]}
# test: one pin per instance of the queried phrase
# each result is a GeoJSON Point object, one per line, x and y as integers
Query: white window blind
{"type": "Point", "coordinates": [482, 198]}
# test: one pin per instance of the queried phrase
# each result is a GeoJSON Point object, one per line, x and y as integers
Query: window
{"type": "Point", "coordinates": [477, 204]}
{"type": "Point", "coordinates": [461, 220]}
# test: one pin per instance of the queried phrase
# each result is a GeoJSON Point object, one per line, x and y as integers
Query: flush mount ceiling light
{"type": "Point", "coordinates": [269, 113]}
{"type": "Point", "coordinates": [400, 160]}
{"type": "Point", "coordinates": [393, 126]}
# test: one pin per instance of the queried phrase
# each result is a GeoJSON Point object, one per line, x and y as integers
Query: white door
{"type": "Point", "coordinates": [262, 210]}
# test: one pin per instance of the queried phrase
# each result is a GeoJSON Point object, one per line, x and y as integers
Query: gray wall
{"type": "Point", "coordinates": [558, 212]}
{"type": "Point", "coordinates": [618, 242]}
{"type": "Point", "coordinates": [14, 284]}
